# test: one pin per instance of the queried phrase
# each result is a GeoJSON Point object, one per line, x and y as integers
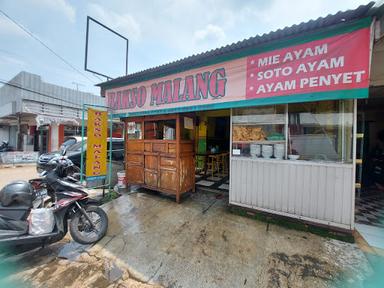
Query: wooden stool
{"type": "Point", "coordinates": [212, 165]}
{"type": "Point", "coordinates": [220, 162]}
{"type": "Point", "coordinates": [225, 160]}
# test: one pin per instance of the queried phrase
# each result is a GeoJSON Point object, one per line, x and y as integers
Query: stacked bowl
{"type": "Point", "coordinates": [267, 150]}
{"type": "Point", "coordinates": [279, 151]}
{"type": "Point", "coordinates": [255, 150]}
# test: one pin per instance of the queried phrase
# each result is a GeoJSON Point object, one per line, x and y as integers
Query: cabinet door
{"type": "Point", "coordinates": [135, 174]}
{"type": "Point", "coordinates": [150, 179]}
{"type": "Point", "coordinates": [168, 180]}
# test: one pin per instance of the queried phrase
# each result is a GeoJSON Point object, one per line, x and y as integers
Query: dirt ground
{"type": "Point", "coordinates": [8, 174]}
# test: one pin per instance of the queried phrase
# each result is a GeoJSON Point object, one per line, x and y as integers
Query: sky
{"type": "Point", "coordinates": [159, 32]}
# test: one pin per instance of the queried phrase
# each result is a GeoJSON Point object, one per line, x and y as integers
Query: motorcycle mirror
{"type": "Point", "coordinates": [42, 174]}
{"type": "Point", "coordinates": [64, 152]}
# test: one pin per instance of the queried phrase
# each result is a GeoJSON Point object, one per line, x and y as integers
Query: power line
{"type": "Point", "coordinates": [40, 93]}
{"type": "Point", "coordinates": [46, 46]}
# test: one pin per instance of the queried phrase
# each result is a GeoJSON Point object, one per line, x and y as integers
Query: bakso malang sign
{"type": "Point", "coordinates": [96, 164]}
{"type": "Point", "coordinates": [336, 63]}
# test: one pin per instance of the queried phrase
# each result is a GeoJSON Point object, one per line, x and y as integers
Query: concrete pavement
{"type": "Point", "coordinates": [197, 243]}
{"type": "Point", "coordinates": [200, 244]}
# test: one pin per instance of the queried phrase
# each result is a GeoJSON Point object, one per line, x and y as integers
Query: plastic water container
{"type": "Point", "coordinates": [41, 221]}
{"type": "Point", "coordinates": [121, 180]}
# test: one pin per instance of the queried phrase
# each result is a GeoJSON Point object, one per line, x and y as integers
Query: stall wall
{"type": "Point", "coordinates": [315, 192]}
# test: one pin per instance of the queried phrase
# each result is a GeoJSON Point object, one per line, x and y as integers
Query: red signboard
{"type": "Point", "coordinates": [334, 63]}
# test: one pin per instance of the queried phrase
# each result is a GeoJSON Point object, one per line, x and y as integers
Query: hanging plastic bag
{"type": "Point", "coordinates": [41, 221]}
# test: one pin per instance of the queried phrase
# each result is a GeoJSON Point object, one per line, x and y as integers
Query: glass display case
{"type": "Point", "coordinates": [259, 132]}
{"type": "Point", "coordinates": [313, 131]}
{"type": "Point", "coordinates": [321, 131]}
{"type": "Point", "coordinates": [134, 130]}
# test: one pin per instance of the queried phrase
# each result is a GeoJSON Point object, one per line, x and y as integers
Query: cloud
{"type": "Point", "coordinates": [61, 6]}
{"type": "Point", "coordinates": [282, 13]}
{"type": "Point", "coordinates": [123, 23]}
{"type": "Point", "coordinates": [7, 59]}
{"type": "Point", "coordinates": [7, 28]}
{"type": "Point", "coordinates": [211, 33]}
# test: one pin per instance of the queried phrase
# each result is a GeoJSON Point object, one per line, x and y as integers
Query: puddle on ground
{"type": "Point", "coordinates": [72, 251]}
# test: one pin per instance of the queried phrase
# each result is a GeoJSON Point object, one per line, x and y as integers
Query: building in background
{"type": "Point", "coordinates": [37, 116]}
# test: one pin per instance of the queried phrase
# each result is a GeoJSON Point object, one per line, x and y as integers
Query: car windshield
{"type": "Point", "coordinates": [69, 142]}
{"type": "Point", "coordinates": [77, 147]}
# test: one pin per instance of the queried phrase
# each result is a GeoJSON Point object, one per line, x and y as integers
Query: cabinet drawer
{"type": "Point", "coordinates": [135, 159]}
{"type": "Point", "coordinates": [168, 162]}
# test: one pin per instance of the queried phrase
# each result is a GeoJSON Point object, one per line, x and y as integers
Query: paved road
{"type": "Point", "coordinates": [17, 173]}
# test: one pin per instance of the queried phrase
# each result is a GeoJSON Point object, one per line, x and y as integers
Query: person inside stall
{"type": "Point", "coordinates": [376, 157]}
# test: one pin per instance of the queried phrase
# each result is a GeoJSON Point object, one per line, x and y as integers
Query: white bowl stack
{"type": "Point", "coordinates": [255, 150]}
{"type": "Point", "coordinates": [279, 151]}
{"type": "Point", "coordinates": [267, 150]}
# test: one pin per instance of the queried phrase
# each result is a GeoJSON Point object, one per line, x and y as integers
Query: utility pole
{"type": "Point", "coordinates": [77, 85]}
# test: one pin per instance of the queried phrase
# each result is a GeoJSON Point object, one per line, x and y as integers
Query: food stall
{"type": "Point", "coordinates": [292, 100]}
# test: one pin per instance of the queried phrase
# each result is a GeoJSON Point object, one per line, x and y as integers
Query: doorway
{"type": "Point", "coordinates": [369, 206]}
{"type": "Point", "coordinates": [212, 151]}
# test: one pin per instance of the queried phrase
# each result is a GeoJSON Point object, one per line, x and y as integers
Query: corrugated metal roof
{"type": "Point", "coordinates": [287, 32]}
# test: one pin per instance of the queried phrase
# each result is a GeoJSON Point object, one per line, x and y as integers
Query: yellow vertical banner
{"type": "Point", "coordinates": [97, 130]}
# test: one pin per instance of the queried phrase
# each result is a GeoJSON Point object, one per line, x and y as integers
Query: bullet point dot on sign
{"type": "Point", "coordinates": [253, 62]}
{"type": "Point", "coordinates": [251, 88]}
{"type": "Point", "coordinates": [252, 75]}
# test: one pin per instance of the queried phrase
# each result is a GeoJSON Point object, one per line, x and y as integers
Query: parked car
{"type": "Point", "coordinates": [69, 141]}
{"type": "Point", "coordinates": [73, 153]}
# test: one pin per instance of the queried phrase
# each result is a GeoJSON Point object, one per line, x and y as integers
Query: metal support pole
{"type": "Point", "coordinates": [110, 150]}
{"type": "Point", "coordinates": [82, 146]}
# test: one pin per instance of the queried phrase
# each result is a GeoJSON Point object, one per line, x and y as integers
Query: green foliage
{"type": "Point", "coordinates": [109, 196]}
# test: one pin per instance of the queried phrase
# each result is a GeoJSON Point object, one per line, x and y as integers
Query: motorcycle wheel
{"type": "Point", "coordinates": [81, 230]}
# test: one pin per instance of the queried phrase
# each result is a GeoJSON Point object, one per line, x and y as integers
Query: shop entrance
{"type": "Point", "coordinates": [369, 212]}
{"type": "Point", "coordinates": [41, 139]}
{"type": "Point", "coordinates": [212, 150]}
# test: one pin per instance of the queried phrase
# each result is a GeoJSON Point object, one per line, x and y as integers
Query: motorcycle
{"type": "Point", "coordinates": [4, 147]}
{"type": "Point", "coordinates": [72, 209]}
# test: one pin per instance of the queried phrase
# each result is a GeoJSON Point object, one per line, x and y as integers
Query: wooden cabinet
{"type": "Point", "coordinates": [160, 156]}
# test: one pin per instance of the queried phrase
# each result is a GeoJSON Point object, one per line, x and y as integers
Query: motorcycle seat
{"type": "Point", "coordinates": [4, 234]}
{"type": "Point", "coordinates": [12, 228]}
{"type": "Point", "coordinates": [16, 212]}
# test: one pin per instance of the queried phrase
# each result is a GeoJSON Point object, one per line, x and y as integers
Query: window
{"type": "Point", "coordinates": [77, 147]}
{"type": "Point", "coordinates": [162, 129]}
{"type": "Point", "coordinates": [321, 131]}
{"type": "Point", "coordinates": [187, 128]}
{"type": "Point", "coordinates": [68, 142]}
{"type": "Point", "coordinates": [134, 130]}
